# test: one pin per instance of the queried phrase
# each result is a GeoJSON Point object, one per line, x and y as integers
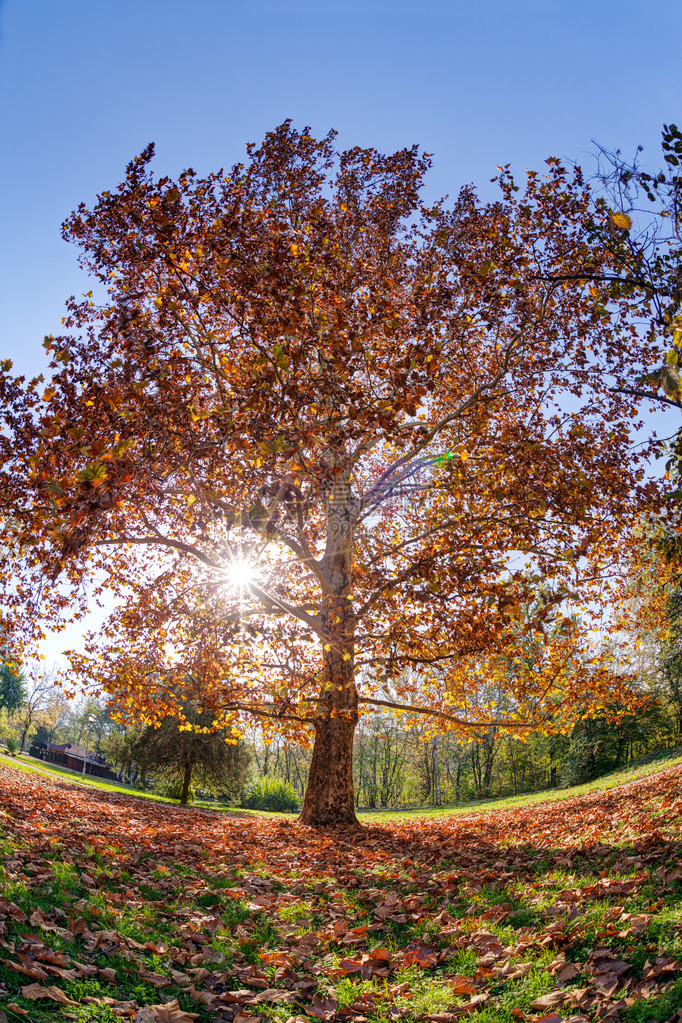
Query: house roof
{"type": "Point", "coordinates": [77, 751]}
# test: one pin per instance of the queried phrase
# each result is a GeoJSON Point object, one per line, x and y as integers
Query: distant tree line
{"type": "Point", "coordinates": [397, 761]}
{"type": "Point", "coordinates": [398, 764]}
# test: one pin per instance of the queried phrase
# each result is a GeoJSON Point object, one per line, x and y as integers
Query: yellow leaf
{"type": "Point", "coordinates": [622, 221]}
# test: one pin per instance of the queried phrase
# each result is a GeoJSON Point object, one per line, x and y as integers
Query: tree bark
{"type": "Point", "coordinates": [329, 793]}
{"type": "Point", "coordinates": [187, 777]}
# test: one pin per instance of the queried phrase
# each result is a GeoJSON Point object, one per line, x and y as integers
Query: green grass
{"type": "Point", "coordinates": [216, 904]}
{"type": "Point", "coordinates": [622, 776]}
{"type": "Point", "coordinates": [25, 763]}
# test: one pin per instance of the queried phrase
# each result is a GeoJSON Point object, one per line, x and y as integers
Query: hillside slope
{"type": "Point", "coordinates": [116, 908]}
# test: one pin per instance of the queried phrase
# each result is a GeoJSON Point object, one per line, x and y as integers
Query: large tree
{"type": "Point", "coordinates": [332, 448]}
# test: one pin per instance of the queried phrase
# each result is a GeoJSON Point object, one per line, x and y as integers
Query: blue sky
{"type": "Point", "coordinates": [87, 84]}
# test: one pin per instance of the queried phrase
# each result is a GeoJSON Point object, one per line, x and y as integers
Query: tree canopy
{"type": "Point", "coordinates": [182, 754]}
{"type": "Point", "coordinates": [332, 448]}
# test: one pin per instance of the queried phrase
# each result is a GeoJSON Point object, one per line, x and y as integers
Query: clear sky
{"type": "Point", "coordinates": [86, 84]}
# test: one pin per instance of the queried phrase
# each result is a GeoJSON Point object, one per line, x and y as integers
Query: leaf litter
{"type": "Point", "coordinates": [562, 911]}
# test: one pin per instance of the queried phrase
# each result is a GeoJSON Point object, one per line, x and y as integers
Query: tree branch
{"type": "Point", "coordinates": [429, 712]}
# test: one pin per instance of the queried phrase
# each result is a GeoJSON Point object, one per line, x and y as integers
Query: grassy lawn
{"type": "Point", "coordinates": [26, 763]}
{"type": "Point", "coordinates": [114, 907]}
{"type": "Point", "coordinates": [623, 776]}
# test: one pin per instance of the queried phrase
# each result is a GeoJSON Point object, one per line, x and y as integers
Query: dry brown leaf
{"type": "Point", "coordinates": [28, 969]}
{"type": "Point", "coordinates": [555, 999]}
{"type": "Point", "coordinates": [323, 1008]}
{"type": "Point", "coordinates": [477, 1002]}
{"type": "Point", "coordinates": [35, 991]}
{"type": "Point", "coordinates": [462, 986]}
{"type": "Point", "coordinates": [169, 1012]}
{"type": "Point", "coordinates": [156, 979]}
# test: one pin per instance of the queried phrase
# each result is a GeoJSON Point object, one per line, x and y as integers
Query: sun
{"type": "Point", "coordinates": [240, 574]}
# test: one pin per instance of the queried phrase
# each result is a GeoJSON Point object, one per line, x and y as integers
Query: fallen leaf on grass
{"type": "Point", "coordinates": [323, 1008]}
{"type": "Point", "coordinates": [17, 1009]}
{"type": "Point", "coordinates": [206, 998]}
{"type": "Point", "coordinates": [374, 963]}
{"type": "Point", "coordinates": [563, 970]}
{"type": "Point", "coordinates": [660, 966]}
{"type": "Point", "coordinates": [35, 991]}
{"type": "Point", "coordinates": [512, 971]}
{"type": "Point", "coordinates": [637, 923]}
{"type": "Point", "coordinates": [155, 979]}
{"type": "Point", "coordinates": [124, 1007]}
{"type": "Point", "coordinates": [419, 955]}
{"type": "Point", "coordinates": [275, 996]}
{"type": "Point", "coordinates": [170, 1012]}
{"type": "Point", "coordinates": [462, 986]}
{"type": "Point", "coordinates": [555, 999]}
{"type": "Point", "coordinates": [28, 969]}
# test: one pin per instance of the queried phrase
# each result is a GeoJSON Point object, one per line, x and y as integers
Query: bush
{"type": "Point", "coordinates": [271, 794]}
{"type": "Point", "coordinates": [12, 745]}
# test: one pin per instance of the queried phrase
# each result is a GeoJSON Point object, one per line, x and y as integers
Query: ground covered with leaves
{"type": "Point", "coordinates": [113, 908]}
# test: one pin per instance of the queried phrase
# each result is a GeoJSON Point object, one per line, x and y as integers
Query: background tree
{"type": "Point", "coordinates": [671, 651]}
{"type": "Point", "coordinates": [119, 748]}
{"type": "Point", "coordinates": [191, 751]}
{"type": "Point", "coordinates": [39, 695]}
{"type": "Point", "coordinates": [323, 432]}
{"type": "Point", "coordinates": [12, 686]}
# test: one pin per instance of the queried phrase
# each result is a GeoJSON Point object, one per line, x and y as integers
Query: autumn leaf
{"type": "Point", "coordinates": [168, 1012]}
{"type": "Point", "coordinates": [621, 221]}
{"type": "Point", "coordinates": [35, 991]}
{"type": "Point", "coordinates": [323, 1008]}
{"type": "Point", "coordinates": [419, 955]}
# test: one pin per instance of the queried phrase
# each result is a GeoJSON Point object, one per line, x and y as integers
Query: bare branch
{"type": "Point", "coordinates": [411, 708]}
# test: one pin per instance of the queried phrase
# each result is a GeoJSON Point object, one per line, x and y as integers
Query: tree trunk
{"type": "Point", "coordinates": [329, 792]}
{"type": "Point", "coordinates": [187, 777]}
{"type": "Point", "coordinates": [489, 751]}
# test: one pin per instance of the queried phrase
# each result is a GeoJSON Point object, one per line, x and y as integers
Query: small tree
{"type": "Point", "coordinates": [41, 698]}
{"type": "Point", "coordinates": [191, 751]}
{"type": "Point", "coordinates": [119, 748]}
{"type": "Point", "coordinates": [12, 686]}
